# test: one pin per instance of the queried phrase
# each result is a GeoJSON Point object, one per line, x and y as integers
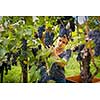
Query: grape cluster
{"type": "Point", "coordinates": [15, 56]}
{"type": "Point", "coordinates": [5, 65]}
{"type": "Point", "coordinates": [49, 39]}
{"type": "Point", "coordinates": [64, 31]}
{"type": "Point", "coordinates": [9, 55]}
{"type": "Point", "coordinates": [43, 72]}
{"type": "Point", "coordinates": [41, 65]}
{"type": "Point", "coordinates": [11, 59]}
{"type": "Point", "coordinates": [80, 50]}
{"type": "Point", "coordinates": [41, 29]}
{"type": "Point", "coordinates": [24, 48]}
{"type": "Point", "coordinates": [24, 44]}
{"type": "Point", "coordinates": [95, 36]}
{"type": "Point", "coordinates": [63, 22]}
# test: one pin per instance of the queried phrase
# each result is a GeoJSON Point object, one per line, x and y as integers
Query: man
{"type": "Point", "coordinates": [56, 72]}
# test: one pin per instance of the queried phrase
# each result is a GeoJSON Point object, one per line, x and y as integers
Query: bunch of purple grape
{"type": "Point", "coordinates": [41, 29]}
{"type": "Point", "coordinates": [95, 36]}
{"type": "Point", "coordinates": [63, 21]}
{"type": "Point", "coordinates": [49, 36]}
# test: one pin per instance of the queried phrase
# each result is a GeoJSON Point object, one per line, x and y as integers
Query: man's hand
{"type": "Point", "coordinates": [61, 62]}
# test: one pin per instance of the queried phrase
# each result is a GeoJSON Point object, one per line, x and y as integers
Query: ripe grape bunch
{"type": "Point", "coordinates": [11, 59]}
{"type": "Point", "coordinates": [64, 31]}
{"type": "Point", "coordinates": [63, 22]}
{"type": "Point", "coordinates": [41, 29]}
{"type": "Point", "coordinates": [95, 36]}
{"type": "Point", "coordinates": [49, 39]}
{"type": "Point", "coordinates": [80, 50]}
{"type": "Point", "coordinates": [6, 65]}
{"type": "Point", "coordinates": [15, 56]}
{"type": "Point", "coordinates": [24, 44]}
